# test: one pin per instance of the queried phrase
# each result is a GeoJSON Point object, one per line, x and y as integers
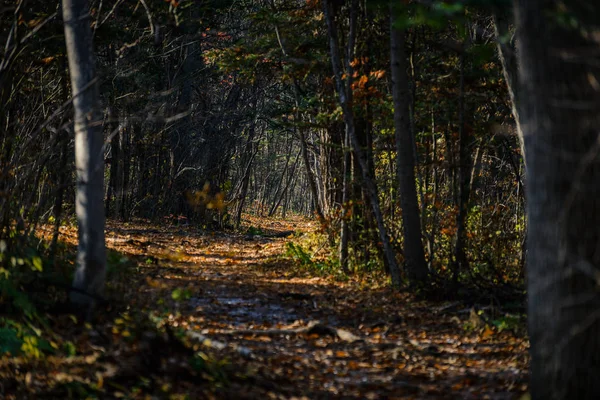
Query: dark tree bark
{"type": "Point", "coordinates": [126, 139]}
{"type": "Point", "coordinates": [507, 53]}
{"type": "Point", "coordinates": [464, 174]}
{"type": "Point", "coordinates": [89, 162]}
{"type": "Point", "coordinates": [346, 168]}
{"type": "Point", "coordinates": [415, 266]}
{"type": "Point", "coordinates": [112, 197]}
{"type": "Point", "coordinates": [560, 70]}
{"type": "Point", "coordinates": [344, 232]}
{"type": "Point", "coordinates": [312, 183]}
{"type": "Point", "coordinates": [279, 186]}
{"type": "Point", "coordinates": [346, 104]}
{"type": "Point", "coordinates": [62, 174]}
{"type": "Point", "coordinates": [284, 193]}
{"type": "Point", "coordinates": [288, 197]}
{"type": "Point", "coordinates": [248, 159]}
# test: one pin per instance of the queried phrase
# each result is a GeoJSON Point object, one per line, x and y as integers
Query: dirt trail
{"type": "Point", "coordinates": [242, 302]}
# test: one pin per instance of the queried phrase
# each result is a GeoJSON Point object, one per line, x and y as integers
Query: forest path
{"type": "Point", "coordinates": [237, 296]}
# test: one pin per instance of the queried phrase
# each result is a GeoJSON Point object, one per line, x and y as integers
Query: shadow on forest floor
{"type": "Point", "coordinates": [255, 328]}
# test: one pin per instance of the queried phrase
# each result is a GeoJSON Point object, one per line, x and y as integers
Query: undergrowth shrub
{"type": "Point", "coordinates": [23, 329]}
{"type": "Point", "coordinates": [308, 258]}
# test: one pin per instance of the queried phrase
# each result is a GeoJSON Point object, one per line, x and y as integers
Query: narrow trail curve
{"type": "Point", "coordinates": [293, 336]}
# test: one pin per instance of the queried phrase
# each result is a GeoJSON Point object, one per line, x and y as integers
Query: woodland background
{"type": "Point", "coordinates": [212, 109]}
{"type": "Point", "coordinates": [217, 115]}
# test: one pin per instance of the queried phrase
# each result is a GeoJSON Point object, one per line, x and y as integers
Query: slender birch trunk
{"type": "Point", "coordinates": [91, 252]}
{"type": "Point", "coordinates": [507, 54]}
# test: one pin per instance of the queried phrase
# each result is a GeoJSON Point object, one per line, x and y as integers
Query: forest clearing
{"type": "Point", "coordinates": [300, 199]}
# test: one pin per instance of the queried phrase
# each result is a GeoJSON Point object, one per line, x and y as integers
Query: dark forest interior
{"type": "Point", "coordinates": [299, 199]}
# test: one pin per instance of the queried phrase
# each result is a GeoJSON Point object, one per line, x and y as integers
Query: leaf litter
{"type": "Point", "coordinates": [219, 315]}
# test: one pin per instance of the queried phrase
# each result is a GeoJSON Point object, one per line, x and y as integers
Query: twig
{"type": "Point", "coordinates": [149, 16]}
{"type": "Point", "coordinates": [313, 327]}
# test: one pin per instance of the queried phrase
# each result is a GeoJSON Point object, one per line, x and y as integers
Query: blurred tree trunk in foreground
{"type": "Point", "coordinates": [91, 253]}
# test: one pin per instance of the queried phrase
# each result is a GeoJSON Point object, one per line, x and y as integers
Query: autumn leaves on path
{"type": "Point", "coordinates": [285, 334]}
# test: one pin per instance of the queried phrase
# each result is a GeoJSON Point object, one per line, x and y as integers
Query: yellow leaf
{"type": "Point", "coordinates": [100, 380]}
{"type": "Point", "coordinates": [34, 22]}
{"type": "Point", "coordinates": [37, 264]}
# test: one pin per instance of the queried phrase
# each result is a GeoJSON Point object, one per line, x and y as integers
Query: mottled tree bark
{"type": "Point", "coordinates": [560, 118]}
{"type": "Point", "coordinates": [91, 252]}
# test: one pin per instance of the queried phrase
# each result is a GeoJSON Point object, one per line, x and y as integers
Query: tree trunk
{"type": "Point", "coordinates": [507, 53]}
{"type": "Point", "coordinates": [247, 159]}
{"type": "Point", "coordinates": [112, 198]}
{"type": "Point", "coordinates": [280, 186]}
{"type": "Point", "coordinates": [343, 250]}
{"type": "Point", "coordinates": [289, 195]}
{"type": "Point", "coordinates": [126, 140]}
{"type": "Point", "coordinates": [312, 183]}
{"type": "Point", "coordinates": [284, 193]}
{"type": "Point", "coordinates": [91, 252]}
{"type": "Point", "coordinates": [560, 69]}
{"type": "Point", "coordinates": [415, 266]}
{"type": "Point", "coordinates": [118, 165]}
{"type": "Point", "coordinates": [461, 263]}
{"type": "Point", "coordinates": [63, 174]}
{"type": "Point", "coordinates": [346, 104]}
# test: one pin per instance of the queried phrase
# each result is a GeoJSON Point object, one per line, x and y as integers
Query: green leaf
{"type": "Point", "coordinates": [70, 349]}
{"type": "Point", "coordinates": [448, 9]}
{"type": "Point", "coordinates": [37, 264]}
{"type": "Point", "coordinates": [181, 294]}
{"type": "Point", "coordinates": [9, 341]}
